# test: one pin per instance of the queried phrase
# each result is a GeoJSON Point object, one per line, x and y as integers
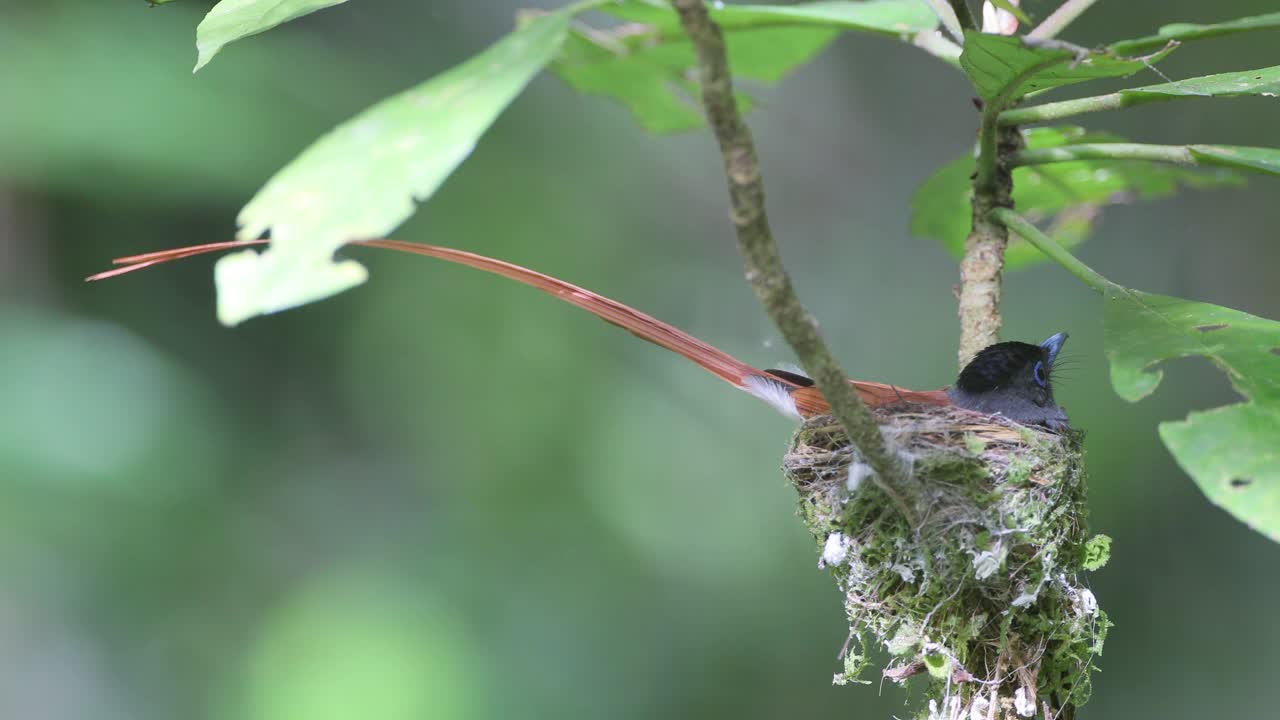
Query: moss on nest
{"type": "Point", "coordinates": [984, 598]}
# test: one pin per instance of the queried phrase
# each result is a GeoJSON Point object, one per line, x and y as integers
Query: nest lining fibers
{"type": "Point", "coordinates": [984, 596]}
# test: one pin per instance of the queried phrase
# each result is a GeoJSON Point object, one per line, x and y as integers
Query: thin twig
{"type": "Point", "coordinates": [1059, 19]}
{"type": "Point", "coordinates": [765, 271]}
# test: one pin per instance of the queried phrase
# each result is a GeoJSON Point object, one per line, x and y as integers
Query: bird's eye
{"type": "Point", "coordinates": [1038, 373]}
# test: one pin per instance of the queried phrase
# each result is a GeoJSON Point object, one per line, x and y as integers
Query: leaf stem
{"type": "Point", "coordinates": [1059, 19]}
{"type": "Point", "coordinates": [963, 14]}
{"type": "Point", "coordinates": [765, 271]}
{"type": "Point", "coordinates": [1177, 154]}
{"type": "Point", "coordinates": [1053, 250]}
{"type": "Point", "coordinates": [947, 16]}
{"type": "Point", "coordinates": [1194, 32]}
{"type": "Point", "coordinates": [1079, 106]}
{"type": "Point", "coordinates": [937, 45]}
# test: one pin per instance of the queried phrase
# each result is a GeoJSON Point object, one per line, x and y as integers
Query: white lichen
{"type": "Point", "coordinates": [835, 551]}
{"type": "Point", "coordinates": [1024, 703]}
{"type": "Point", "coordinates": [858, 472]}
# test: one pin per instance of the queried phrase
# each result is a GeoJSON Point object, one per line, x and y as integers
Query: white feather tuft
{"type": "Point", "coordinates": [774, 392]}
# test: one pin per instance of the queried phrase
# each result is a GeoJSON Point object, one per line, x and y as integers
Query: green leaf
{"type": "Point", "coordinates": [1265, 81]}
{"type": "Point", "coordinates": [1004, 68]}
{"type": "Point", "coordinates": [1191, 31]}
{"type": "Point", "coordinates": [365, 177]}
{"type": "Point", "coordinates": [232, 20]}
{"type": "Point", "coordinates": [1232, 452]}
{"type": "Point", "coordinates": [648, 63]}
{"type": "Point", "coordinates": [1245, 158]}
{"type": "Point", "coordinates": [1067, 197]}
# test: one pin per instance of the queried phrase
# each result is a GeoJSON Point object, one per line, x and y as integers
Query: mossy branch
{"type": "Point", "coordinates": [765, 271]}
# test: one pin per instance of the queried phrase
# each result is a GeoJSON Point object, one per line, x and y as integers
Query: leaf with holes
{"type": "Point", "coordinates": [232, 20]}
{"type": "Point", "coordinates": [1232, 452]}
{"type": "Point", "coordinates": [1064, 198]}
{"type": "Point", "coordinates": [365, 177]}
{"type": "Point", "coordinates": [1004, 68]}
{"type": "Point", "coordinates": [648, 63]}
{"type": "Point", "coordinates": [1183, 32]}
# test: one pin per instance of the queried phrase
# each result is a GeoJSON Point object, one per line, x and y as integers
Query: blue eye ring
{"type": "Point", "coordinates": [1038, 373]}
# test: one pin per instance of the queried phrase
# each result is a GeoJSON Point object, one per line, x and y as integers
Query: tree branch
{"type": "Point", "coordinates": [983, 261]}
{"type": "Point", "coordinates": [765, 271]}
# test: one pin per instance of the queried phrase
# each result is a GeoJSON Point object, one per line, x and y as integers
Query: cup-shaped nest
{"type": "Point", "coordinates": [972, 581]}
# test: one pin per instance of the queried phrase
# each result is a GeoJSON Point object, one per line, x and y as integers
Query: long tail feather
{"type": "Point", "coordinates": [783, 393]}
{"type": "Point", "coordinates": [640, 324]}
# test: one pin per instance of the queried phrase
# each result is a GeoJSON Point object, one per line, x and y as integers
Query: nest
{"type": "Point", "coordinates": [980, 595]}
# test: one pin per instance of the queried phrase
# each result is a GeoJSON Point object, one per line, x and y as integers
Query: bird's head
{"type": "Point", "coordinates": [1013, 379]}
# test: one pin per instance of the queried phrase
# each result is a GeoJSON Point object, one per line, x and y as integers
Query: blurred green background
{"type": "Point", "coordinates": [443, 495]}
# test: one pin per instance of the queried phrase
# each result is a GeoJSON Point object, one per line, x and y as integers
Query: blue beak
{"type": "Point", "coordinates": [1054, 344]}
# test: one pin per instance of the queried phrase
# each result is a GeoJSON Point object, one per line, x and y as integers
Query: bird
{"type": "Point", "coordinates": [1010, 379]}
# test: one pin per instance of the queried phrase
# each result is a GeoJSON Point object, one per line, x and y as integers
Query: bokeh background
{"type": "Point", "coordinates": [443, 495]}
